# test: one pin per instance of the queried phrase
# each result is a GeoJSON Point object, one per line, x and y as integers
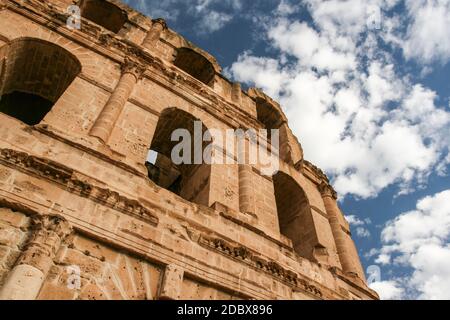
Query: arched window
{"type": "Point", "coordinates": [294, 215]}
{"type": "Point", "coordinates": [190, 179]}
{"type": "Point", "coordinates": [195, 64]}
{"type": "Point", "coordinates": [104, 13]}
{"type": "Point", "coordinates": [268, 115]}
{"type": "Point", "coordinates": [35, 74]}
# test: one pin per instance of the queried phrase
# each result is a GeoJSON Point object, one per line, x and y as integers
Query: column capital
{"type": "Point", "coordinates": [27, 277]}
{"type": "Point", "coordinates": [161, 22]}
{"type": "Point", "coordinates": [55, 224]}
{"type": "Point", "coordinates": [48, 234]}
{"type": "Point", "coordinates": [133, 67]}
{"type": "Point", "coordinates": [326, 190]}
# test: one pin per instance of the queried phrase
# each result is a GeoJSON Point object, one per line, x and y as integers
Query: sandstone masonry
{"type": "Point", "coordinates": [84, 215]}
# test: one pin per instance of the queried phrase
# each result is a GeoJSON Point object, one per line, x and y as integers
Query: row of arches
{"type": "Point", "coordinates": [34, 75]}
{"type": "Point", "coordinates": [113, 18]}
{"type": "Point", "coordinates": [293, 209]}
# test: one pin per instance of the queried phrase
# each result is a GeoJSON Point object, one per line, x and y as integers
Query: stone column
{"type": "Point", "coordinates": [236, 93]}
{"type": "Point", "coordinates": [245, 175]}
{"type": "Point", "coordinates": [246, 190]}
{"type": "Point", "coordinates": [345, 246]}
{"type": "Point", "coordinates": [25, 280]}
{"type": "Point", "coordinates": [103, 126]}
{"type": "Point", "coordinates": [155, 33]}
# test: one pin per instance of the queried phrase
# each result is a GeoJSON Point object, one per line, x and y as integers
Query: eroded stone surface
{"type": "Point", "coordinates": [83, 216]}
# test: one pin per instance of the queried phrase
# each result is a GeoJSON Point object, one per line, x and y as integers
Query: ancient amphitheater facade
{"type": "Point", "coordinates": [84, 215]}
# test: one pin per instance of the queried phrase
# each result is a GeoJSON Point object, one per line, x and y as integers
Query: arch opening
{"type": "Point", "coordinates": [268, 116]}
{"type": "Point", "coordinates": [294, 215]}
{"type": "Point", "coordinates": [104, 13]}
{"type": "Point", "coordinates": [35, 74]}
{"type": "Point", "coordinates": [285, 144]}
{"type": "Point", "coordinates": [190, 179]}
{"type": "Point", "coordinates": [195, 64]}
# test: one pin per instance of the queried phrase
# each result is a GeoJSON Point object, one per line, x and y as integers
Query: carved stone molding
{"type": "Point", "coordinates": [161, 22]}
{"type": "Point", "coordinates": [133, 67]}
{"type": "Point", "coordinates": [318, 172]}
{"type": "Point", "coordinates": [26, 278]}
{"type": "Point", "coordinates": [326, 190]}
{"type": "Point", "coordinates": [49, 231]}
{"type": "Point", "coordinates": [240, 252]}
{"type": "Point", "coordinates": [70, 180]}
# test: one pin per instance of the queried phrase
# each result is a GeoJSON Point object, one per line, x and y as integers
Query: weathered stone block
{"type": "Point", "coordinates": [172, 282]}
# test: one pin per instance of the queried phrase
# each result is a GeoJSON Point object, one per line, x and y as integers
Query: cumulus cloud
{"type": "Point", "coordinates": [209, 15]}
{"type": "Point", "coordinates": [388, 290]}
{"type": "Point", "coordinates": [360, 226]}
{"type": "Point", "coordinates": [427, 38]}
{"type": "Point", "coordinates": [354, 220]}
{"type": "Point", "coordinates": [285, 8]}
{"type": "Point", "coordinates": [419, 240]}
{"type": "Point", "coordinates": [214, 21]}
{"type": "Point", "coordinates": [356, 115]}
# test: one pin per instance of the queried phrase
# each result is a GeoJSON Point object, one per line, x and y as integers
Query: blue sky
{"type": "Point", "coordinates": [365, 85]}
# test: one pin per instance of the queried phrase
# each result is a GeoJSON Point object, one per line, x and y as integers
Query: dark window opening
{"type": "Point", "coordinates": [272, 118]}
{"type": "Point", "coordinates": [188, 180]}
{"type": "Point", "coordinates": [195, 64]}
{"type": "Point", "coordinates": [26, 107]}
{"type": "Point", "coordinates": [104, 13]}
{"type": "Point", "coordinates": [294, 215]}
{"type": "Point", "coordinates": [268, 116]}
{"type": "Point", "coordinates": [35, 73]}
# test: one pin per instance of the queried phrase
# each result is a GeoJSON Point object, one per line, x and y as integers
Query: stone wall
{"type": "Point", "coordinates": [14, 233]}
{"type": "Point", "coordinates": [75, 188]}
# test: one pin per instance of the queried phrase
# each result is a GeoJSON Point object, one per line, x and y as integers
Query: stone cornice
{"type": "Point", "coordinates": [45, 129]}
{"type": "Point", "coordinates": [253, 259]}
{"type": "Point", "coordinates": [326, 190]}
{"type": "Point", "coordinates": [319, 174]}
{"type": "Point", "coordinates": [74, 183]}
{"type": "Point", "coordinates": [354, 282]}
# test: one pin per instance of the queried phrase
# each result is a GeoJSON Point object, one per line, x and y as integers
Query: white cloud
{"type": "Point", "coordinates": [209, 15]}
{"type": "Point", "coordinates": [388, 290]}
{"type": "Point", "coordinates": [427, 38]}
{"type": "Point", "coordinates": [298, 39]}
{"type": "Point", "coordinates": [383, 259]}
{"type": "Point", "coordinates": [419, 240]}
{"type": "Point", "coordinates": [354, 220]}
{"type": "Point", "coordinates": [214, 21]}
{"type": "Point", "coordinates": [285, 8]}
{"type": "Point", "coordinates": [362, 232]}
{"type": "Point", "coordinates": [266, 72]}
{"type": "Point", "coordinates": [353, 112]}
{"type": "Point", "coordinates": [360, 226]}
